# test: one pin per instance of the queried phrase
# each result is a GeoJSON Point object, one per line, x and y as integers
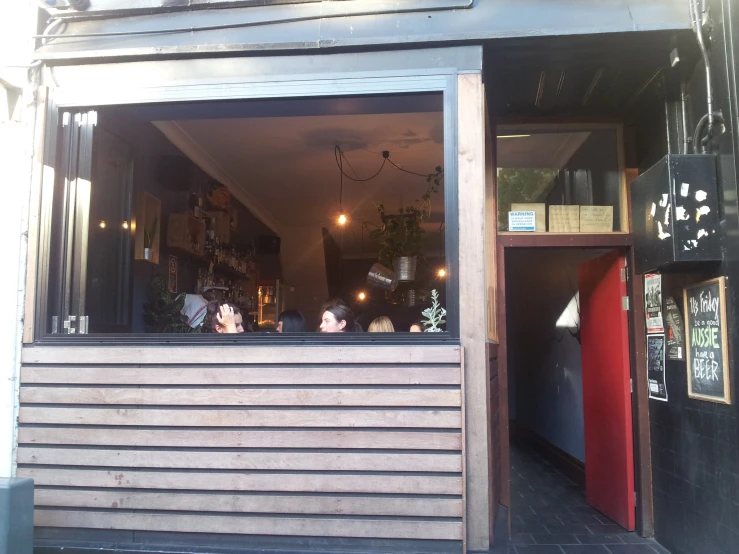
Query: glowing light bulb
{"type": "Point", "coordinates": [342, 219]}
{"type": "Point", "coordinates": [125, 225]}
{"type": "Point", "coordinates": [441, 273]}
{"type": "Point", "coordinates": [362, 296]}
{"type": "Point", "coordinates": [103, 225]}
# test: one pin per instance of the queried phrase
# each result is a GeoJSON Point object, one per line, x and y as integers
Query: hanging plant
{"type": "Point", "coordinates": [402, 233]}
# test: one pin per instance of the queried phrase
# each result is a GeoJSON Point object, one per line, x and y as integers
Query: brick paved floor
{"type": "Point", "coordinates": [550, 516]}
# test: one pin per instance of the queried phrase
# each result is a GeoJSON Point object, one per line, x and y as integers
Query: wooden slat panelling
{"type": "Point", "coordinates": [231, 481]}
{"type": "Point", "coordinates": [243, 375]}
{"type": "Point", "coordinates": [283, 461]}
{"type": "Point", "coordinates": [288, 526]}
{"type": "Point", "coordinates": [252, 503]}
{"type": "Point", "coordinates": [300, 441]}
{"type": "Point", "coordinates": [242, 397]}
{"type": "Point", "coordinates": [331, 356]}
{"type": "Point", "coordinates": [243, 418]}
{"type": "Point", "coordinates": [212, 438]}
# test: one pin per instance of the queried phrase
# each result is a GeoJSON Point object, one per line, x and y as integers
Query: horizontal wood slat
{"type": "Point", "coordinates": [334, 441]}
{"type": "Point", "coordinates": [240, 481]}
{"type": "Point", "coordinates": [252, 503]}
{"type": "Point", "coordinates": [243, 418]}
{"type": "Point", "coordinates": [282, 461]}
{"type": "Point", "coordinates": [329, 355]}
{"type": "Point", "coordinates": [309, 438]}
{"type": "Point", "coordinates": [243, 375]}
{"type": "Point", "coordinates": [242, 397]}
{"type": "Point", "coordinates": [288, 526]}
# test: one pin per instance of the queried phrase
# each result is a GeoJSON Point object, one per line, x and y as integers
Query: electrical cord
{"type": "Point", "coordinates": [339, 154]}
{"type": "Point", "coordinates": [396, 166]}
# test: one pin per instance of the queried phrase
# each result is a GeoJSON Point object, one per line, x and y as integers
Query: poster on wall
{"type": "Point", "coordinates": [172, 274]}
{"type": "Point", "coordinates": [675, 330]}
{"type": "Point", "coordinates": [707, 341]}
{"type": "Point", "coordinates": [656, 367]}
{"type": "Point", "coordinates": [653, 302]}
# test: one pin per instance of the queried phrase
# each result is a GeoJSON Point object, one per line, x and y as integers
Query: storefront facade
{"type": "Point", "coordinates": [393, 444]}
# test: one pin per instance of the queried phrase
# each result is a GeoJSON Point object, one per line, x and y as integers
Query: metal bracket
{"type": "Point", "coordinates": [625, 303]}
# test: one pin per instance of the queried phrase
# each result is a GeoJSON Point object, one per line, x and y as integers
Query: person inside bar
{"type": "Point", "coordinates": [224, 319]}
{"type": "Point", "coordinates": [337, 317]}
{"type": "Point", "coordinates": [416, 327]}
{"type": "Point", "coordinates": [381, 324]}
{"type": "Point", "coordinates": [290, 321]}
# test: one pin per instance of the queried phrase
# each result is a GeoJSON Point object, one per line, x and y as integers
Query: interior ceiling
{"type": "Point", "coordinates": [287, 165]}
{"type": "Point", "coordinates": [516, 148]}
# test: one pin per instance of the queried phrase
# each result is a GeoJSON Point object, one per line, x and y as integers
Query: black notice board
{"type": "Point", "coordinates": [706, 341]}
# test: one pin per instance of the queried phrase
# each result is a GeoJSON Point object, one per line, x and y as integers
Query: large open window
{"type": "Point", "coordinates": [162, 212]}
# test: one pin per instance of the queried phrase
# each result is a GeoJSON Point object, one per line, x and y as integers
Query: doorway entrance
{"type": "Point", "coordinates": [570, 412]}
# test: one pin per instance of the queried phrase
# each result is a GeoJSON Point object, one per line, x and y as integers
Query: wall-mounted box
{"type": "Point", "coordinates": [675, 213]}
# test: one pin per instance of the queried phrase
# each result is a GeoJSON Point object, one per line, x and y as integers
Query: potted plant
{"type": "Point", "coordinates": [400, 236]}
{"type": "Point", "coordinates": [149, 235]}
{"type": "Point", "coordinates": [434, 316]}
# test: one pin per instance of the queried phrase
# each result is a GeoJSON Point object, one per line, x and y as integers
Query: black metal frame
{"type": "Point", "coordinates": [451, 230]}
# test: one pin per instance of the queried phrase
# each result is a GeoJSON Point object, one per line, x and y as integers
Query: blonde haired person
{"type": "Point", "coordinates": [381, 325]}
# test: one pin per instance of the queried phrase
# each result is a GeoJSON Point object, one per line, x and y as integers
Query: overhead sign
{"type": "Point", "coordinates": [707, 344]}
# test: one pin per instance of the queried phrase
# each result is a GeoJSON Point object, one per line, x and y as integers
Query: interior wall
{"type": "Point", "coordinates": [544, 366]}
{"type": "Point", "coordinates": [148, 145]}
{"type": "Point", "coordinates": [304, 268]}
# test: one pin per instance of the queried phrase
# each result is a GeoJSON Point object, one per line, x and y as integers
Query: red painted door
{"type": "Point", "coordinates": [604, 336]}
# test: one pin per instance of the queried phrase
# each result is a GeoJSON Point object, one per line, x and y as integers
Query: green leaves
{"type": "Point", "coordinates": [402, 234]}
{"type": "Point", "coordinates": [162, 313]}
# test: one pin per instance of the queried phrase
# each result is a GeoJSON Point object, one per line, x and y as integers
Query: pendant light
{"type": "Point", "coordinates": [342, 220]}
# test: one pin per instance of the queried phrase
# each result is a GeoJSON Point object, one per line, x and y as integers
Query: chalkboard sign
{"type": "Point", "coordinates": [707, 345]}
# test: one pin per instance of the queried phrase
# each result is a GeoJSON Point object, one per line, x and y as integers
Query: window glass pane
{"type": "Point", "coordinates": [577, 167]}
{"type": "Point", "coordinates": [268, 207]}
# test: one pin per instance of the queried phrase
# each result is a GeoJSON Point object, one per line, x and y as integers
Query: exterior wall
{"type": "Point", "coordinates": [17, 120]}
{"type": "Point", "coordinates": [346, 24]}
{"type": "Point", "coordinates": [251, 441]}
{"type": "Point", "coordinates": [694, 443]}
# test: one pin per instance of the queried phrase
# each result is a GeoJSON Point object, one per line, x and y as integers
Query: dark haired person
{"type": "Point", "coordinates": [223, 319]}
{"type": "Point", "coordinates": [290, 321]}
{"type": "Point", "coordinates": [416, 327]}
{"type": "Point", "coordinates": [337, 317]}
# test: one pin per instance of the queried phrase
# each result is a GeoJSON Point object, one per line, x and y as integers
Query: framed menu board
{"type": "Point", "coordinates": [707, 346]}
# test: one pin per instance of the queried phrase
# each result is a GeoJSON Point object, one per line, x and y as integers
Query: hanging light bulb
{"type": "Point", "coordinates": [103, 225]}
{"type": "Point", "coordinates": [441, 273]}
{"type": "Point", "coordinates": [125, 225]}
{"type": "Point", "coordinates": [342, 220]}
{"type": "Point", "coordinates": [362, 296]}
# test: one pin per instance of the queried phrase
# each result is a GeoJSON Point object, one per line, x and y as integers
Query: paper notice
{"type": "Point", "coordinates": [539, 209]}
{"type": "Point", "coordinates": [653, 302]}
{"type": "Point", "coordinates": [596, 219]}
{"type": "Point", "coordinates": [564, 219]}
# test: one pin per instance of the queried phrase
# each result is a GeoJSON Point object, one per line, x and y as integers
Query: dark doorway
{"type": "Point", "coordinates": [548, 398]}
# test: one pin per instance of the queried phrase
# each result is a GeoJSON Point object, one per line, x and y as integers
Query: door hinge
{"type": "Point", "coordinates": [634, 498]}
{"type": "Point", "coordinates": [625, 303]}
{"type": "Point", "coordinates": [631, 385]}
{"type": "Point", "coordinates": [624, 274]}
